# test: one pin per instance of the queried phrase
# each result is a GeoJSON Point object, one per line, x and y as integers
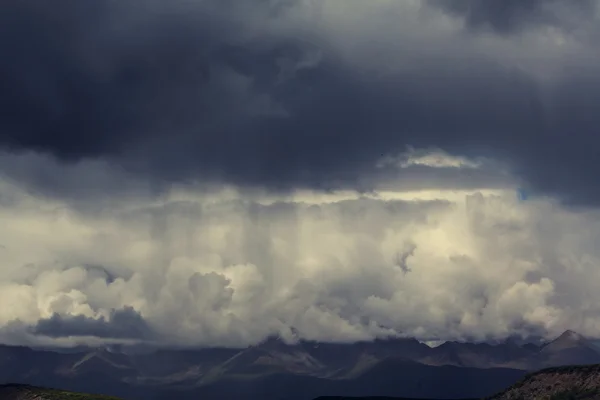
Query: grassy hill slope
{"type": "Point", "coordinates": [559, 383]}
{"type": "Point", "coordinates": [25, 392]}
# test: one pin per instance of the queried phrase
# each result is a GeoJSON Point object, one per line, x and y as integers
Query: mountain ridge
{"type": "Point", "coordinates": [329, 367]}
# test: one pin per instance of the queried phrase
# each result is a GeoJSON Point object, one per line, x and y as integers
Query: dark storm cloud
{"type": "Point", "coordinates": [122, 324]}
{"type": "Point", "coordinates": [212, 93]}
{"type": "Point", "coordinates": [510, 16]}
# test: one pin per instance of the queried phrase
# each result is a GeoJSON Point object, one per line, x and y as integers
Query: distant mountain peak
{"type": "Point", "coordinates": [569, 336]}
{"type": "Point", "coordinates": [570, 348]}
{"type": "Point", "coordinates": [572, 334]}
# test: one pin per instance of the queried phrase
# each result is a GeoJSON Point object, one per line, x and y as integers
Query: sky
{"type": "Point", "coordinates": [215, 172]}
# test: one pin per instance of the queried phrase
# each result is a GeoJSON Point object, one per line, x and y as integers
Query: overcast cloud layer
{"type": "Point", "coordinates": [292, 93]}
{"type": "Point", "coordinates": [212, 172]}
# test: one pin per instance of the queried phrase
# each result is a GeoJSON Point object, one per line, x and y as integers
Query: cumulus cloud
{"type": "Point", "coordinates": [433, 158]}
{"type": "Point", "coordinates": [202, 268]}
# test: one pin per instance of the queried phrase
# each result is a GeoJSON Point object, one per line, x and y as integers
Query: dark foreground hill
{"type": "Point", "coordinates": [558, 383]}
{"type": "Point", "coordinates": [26, 392]}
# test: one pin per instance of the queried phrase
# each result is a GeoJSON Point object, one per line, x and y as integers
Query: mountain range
{"type": "Point", "coordinates": [304, 370]}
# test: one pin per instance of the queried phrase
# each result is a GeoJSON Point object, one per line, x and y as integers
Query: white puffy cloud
{"type": "Point", "coordinates": [434, 158]}
{"type": "Point", "coordinates": [221, 267]}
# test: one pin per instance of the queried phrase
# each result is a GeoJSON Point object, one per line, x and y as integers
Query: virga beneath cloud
{"type": "Point", "coordinates": [217, 269]}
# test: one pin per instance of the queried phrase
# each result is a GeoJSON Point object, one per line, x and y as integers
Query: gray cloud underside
{"type": "Point", "coordinates": [125, 323]}
{"type": "Point", "coordinates": [288, 94]}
